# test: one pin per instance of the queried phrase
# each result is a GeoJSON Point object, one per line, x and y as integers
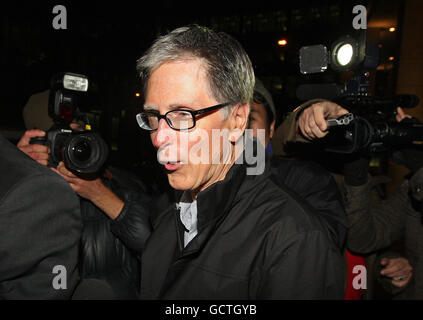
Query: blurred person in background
{"type": "Point", "coordinates": [375, 227]}
{"type": "Point", "coordinates": [40, 230]}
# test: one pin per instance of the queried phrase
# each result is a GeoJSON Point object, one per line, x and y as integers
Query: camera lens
{"type": "Point", "coordinates": [85, 152]}
{"type": "Point", "coordinates": [82, 151]}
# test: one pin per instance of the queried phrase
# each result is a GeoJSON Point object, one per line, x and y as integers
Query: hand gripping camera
{"type": "Point", "coordinates": [371, 128]}
{"type": "Point", "coordinates": [82, 150]}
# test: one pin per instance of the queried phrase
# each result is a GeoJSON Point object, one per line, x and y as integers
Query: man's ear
{"type": "Point", "coordinates": [239, 120]}
{"type": "Point", "coordinates": [272, 129]}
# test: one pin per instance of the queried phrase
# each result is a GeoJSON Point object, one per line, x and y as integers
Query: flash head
{"type": "Point", "coordinates": [65, 91]}
{"type": "Point", "coordinates": [76, 82]}
{"type": "Point", "coordinates": [69, 81]}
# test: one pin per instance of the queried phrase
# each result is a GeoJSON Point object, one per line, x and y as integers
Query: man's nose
{"type": "Point", "coordinates": [162, 135]}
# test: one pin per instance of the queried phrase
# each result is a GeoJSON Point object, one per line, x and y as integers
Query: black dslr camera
{"type": "Point", "coordinates": [82, 151]}
{"type": "Point", "coordinates": [370, 127]}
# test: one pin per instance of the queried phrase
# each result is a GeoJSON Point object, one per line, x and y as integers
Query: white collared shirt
{"type": "Point", "coordinates": [188, 215]}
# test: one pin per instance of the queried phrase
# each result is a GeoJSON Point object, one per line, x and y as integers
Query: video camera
{"type": "Point", "coordinates": [371, 127]}
{"type": "Point", "coordinates": [82, 150]}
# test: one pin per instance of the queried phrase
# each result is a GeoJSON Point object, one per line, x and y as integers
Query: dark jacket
{"type": "Point", "coordinates": [40, 228]}
{"type": "Point", "coordinates": [375, 227]}
{"type": "Point", "coordinates": [103, 255]}
{"type": "Point", "coordinates": [254, 241]}
{"type": "Point", "coordinates": [315, 186]}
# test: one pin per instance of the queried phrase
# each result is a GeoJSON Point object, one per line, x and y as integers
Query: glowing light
{"type": "Point", "coordinates": [392, 29]}
{"type": "Point", "coordinates": [344, 54]}
{"type": "Point", "coordinates": [282, 42]}
{"type": "Point", "coordinates": [391, 58]}
{"type": "Point", "coordinates": [137, 95]}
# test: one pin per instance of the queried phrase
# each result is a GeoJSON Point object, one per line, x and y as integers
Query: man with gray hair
{"type": "Point", "coordinates": [232, 234]}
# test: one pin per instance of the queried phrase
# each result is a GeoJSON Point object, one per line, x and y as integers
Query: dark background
{"type": "Point", "coordinates": [103, 40]}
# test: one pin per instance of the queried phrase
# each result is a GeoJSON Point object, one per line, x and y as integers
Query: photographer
{"type": "Point", "coordinates": [307, 179]}
{"type": "Point", "coordinates": [105, 198]}
{"type": "Point", "coordinates": [376, 227]}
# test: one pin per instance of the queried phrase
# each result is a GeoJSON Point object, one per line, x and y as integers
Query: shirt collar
{"type": "Point", "coordinates": [188, 212]}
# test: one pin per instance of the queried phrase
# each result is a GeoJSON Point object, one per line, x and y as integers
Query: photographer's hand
{"type": "Point", "coordinates": [312, 121]}
{"type": "Point", "coordinates": [398, 269]}
{"type": "Point", "coordinates": [93, 190]}
{"type": "Point", "coordinates": [401, 115]}
{"type": "Point", "coordinates": [37, 152]}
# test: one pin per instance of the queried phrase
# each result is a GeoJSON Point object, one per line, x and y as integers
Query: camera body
{"type": "Point", "coordinates": [82, 151]}
{"type": "Point", "coordinates": [374, 129]}
{"type": "Point", "coordinates": [361, 135]}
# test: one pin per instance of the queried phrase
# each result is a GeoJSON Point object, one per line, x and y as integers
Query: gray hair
{"type": "Point", "coordinates": [228, 67]}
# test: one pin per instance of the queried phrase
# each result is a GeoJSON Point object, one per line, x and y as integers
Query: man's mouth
{"type": "Point", "coordinates": [172, 165]}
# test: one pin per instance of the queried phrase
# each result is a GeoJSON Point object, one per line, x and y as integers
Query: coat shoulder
{"type": "Point", "coordinates": [16, 167]}
{"type": "Point", "coordinates": [278, 207]}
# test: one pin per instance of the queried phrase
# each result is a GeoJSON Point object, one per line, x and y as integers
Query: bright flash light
{"type": "Point", "coordinates": [344, 54]}
{"type": "Point", "coordinates": [392, 29]}
{"type": "Point", "coordinates": [137, 95]}
{"type": "Point", "coordinates": [391, 58]}
{"type": "Point", "coordinates": [282, 42]}
{"type": "Point", "coordinates": [75, 82]}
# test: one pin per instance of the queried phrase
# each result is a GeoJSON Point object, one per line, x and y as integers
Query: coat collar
{"type": "Point", "coordinates": [213, 204]}
{"type": "Point", "coordinates": [217, 199]}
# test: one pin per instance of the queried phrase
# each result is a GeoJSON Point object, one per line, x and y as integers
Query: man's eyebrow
{"type": "Point", "coordinates": [175, 106]}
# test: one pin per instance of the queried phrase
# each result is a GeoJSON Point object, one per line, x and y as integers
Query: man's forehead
{"type": "Point", "coordinates": [176, 85]}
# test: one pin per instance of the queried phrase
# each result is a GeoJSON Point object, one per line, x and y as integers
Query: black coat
{"type": "Point", "coordinates": [104, 256]}
{"type": "Point", "coordinates": [254, 241]}
{"type": "Point", "coordinates": [314, 185]}
{"type": "Point", "coordinates": [40, 228]}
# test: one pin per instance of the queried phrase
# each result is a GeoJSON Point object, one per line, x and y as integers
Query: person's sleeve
{"type": "Point", "coordinates": [325, 197]}
{"type": "Point", "coordinates": [303, 266]}
{"type": "Point", "coordinates": [322, 193]}
{"type": "Point", "coordinates": [287, 132]}
{"type": "Point", "coordinates": [133, 226]}
{"type": "Point", "coordinates": [316, 186]}
{"type": "Point", "coordinates": [40, 228]}
{"type": "Point", "coordinates": [374, 226]}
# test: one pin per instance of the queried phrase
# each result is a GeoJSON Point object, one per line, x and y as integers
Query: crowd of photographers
{"type": "Point", "coordinates": [377, 226]}
{"type": "Point", "coordinates": [298, 248]}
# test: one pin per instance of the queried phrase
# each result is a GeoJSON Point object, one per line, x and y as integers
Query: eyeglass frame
{"type": "Point", "coordinates": [194, 114]}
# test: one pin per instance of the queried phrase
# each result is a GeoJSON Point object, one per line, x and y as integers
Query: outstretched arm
{"type": "Point", "coordinates": [305, 123]}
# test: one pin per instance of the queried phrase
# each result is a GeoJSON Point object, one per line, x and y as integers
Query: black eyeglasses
{"type": "Point", "coordinates": [179, 119]}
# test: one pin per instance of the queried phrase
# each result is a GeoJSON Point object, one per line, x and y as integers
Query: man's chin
{"type": "Point", "coordinates": [178, 182]}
